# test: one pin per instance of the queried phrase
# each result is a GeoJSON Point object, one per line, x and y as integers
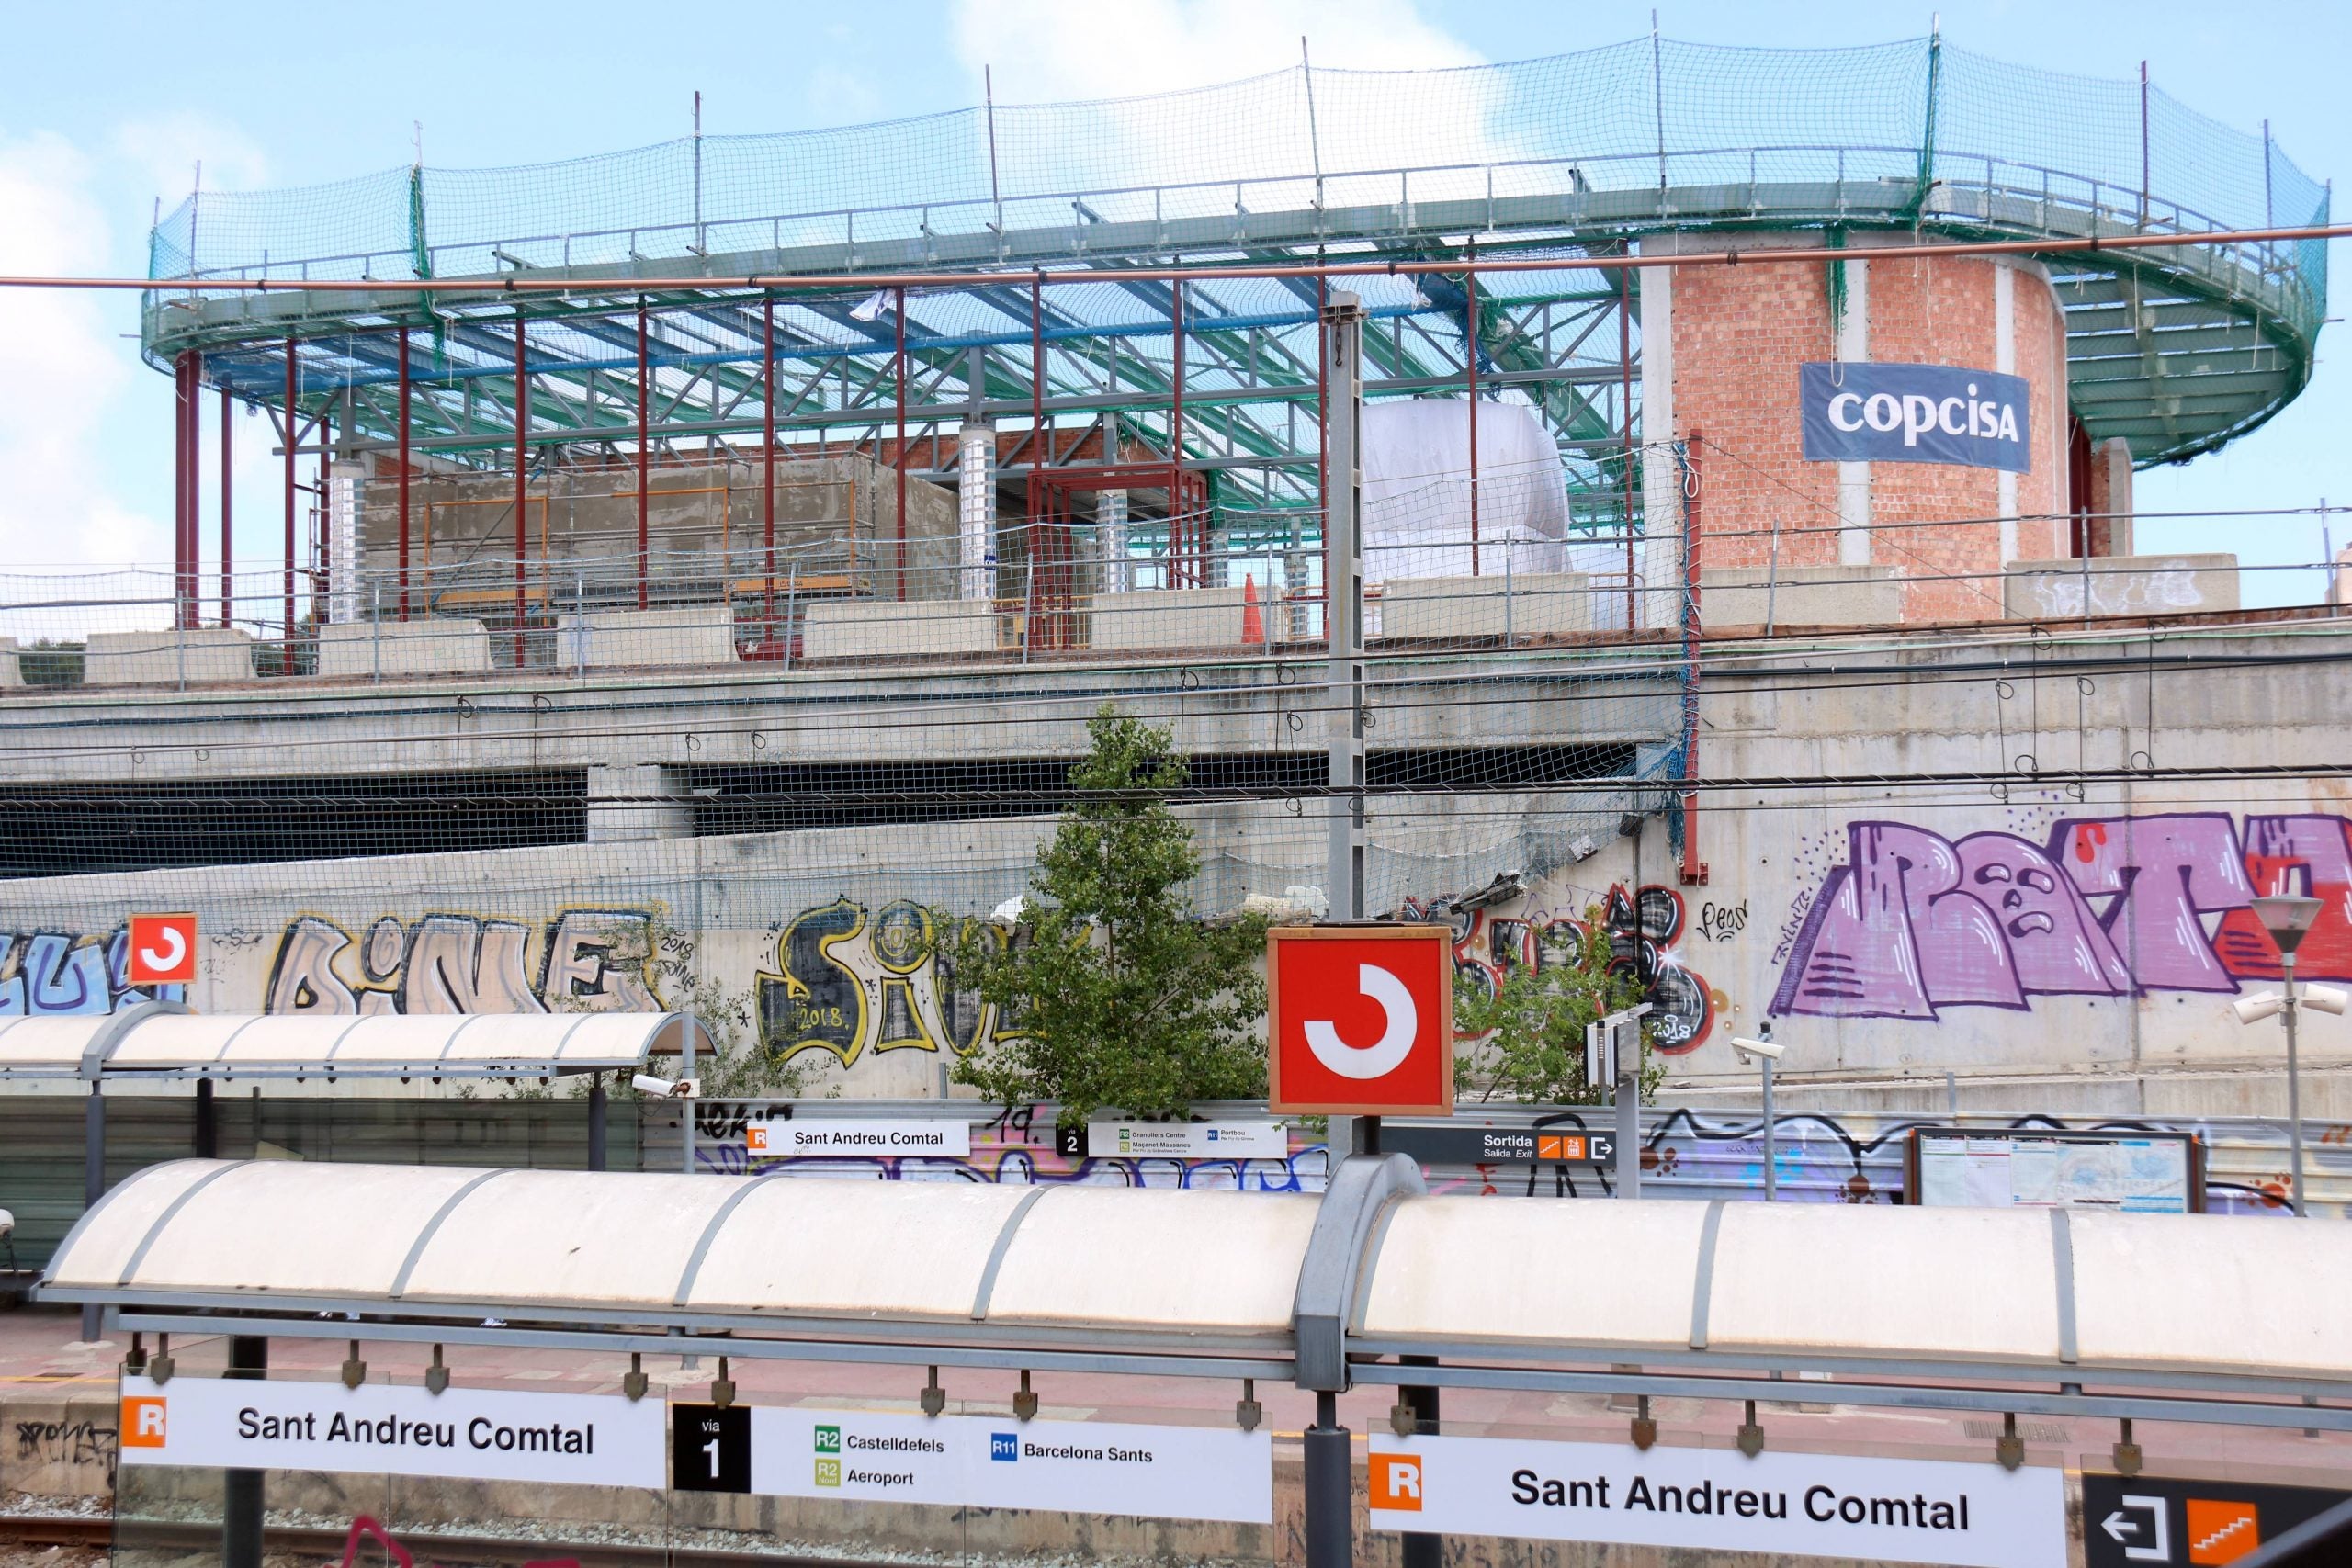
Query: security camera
{"type": "Point", "coordinates": [2326, 999]}
{"type": "Point", "coordinates": [7, 1224]}
{"type": "Point", "coordinates": [2259, 1005]}
{"type": "Point", "coordinates": [1751, 1049]}
{"type": "Point", "coordinates": [666, 1088]}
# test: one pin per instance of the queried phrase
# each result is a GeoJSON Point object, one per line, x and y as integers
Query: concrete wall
{"type": "Point", "coordinates": [1527, 605]}
{"type": "Point", "coordinates": [2122, 585]}
{"type": "Point", "coordinates": [442, 645]}
{"type": "Point", "coordinates": [201, 656]}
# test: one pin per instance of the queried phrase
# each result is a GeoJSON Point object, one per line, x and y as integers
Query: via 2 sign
{"type": "Point", "coordinates": [1916, 413]}
{"type": "Point", "coordinates": [1360, 1020]}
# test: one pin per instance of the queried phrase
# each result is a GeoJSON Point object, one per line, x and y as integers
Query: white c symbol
{"type": "Point", "coordinates": [175, 949]}
{"type": "Point", "coordinates": [1379, 1059]}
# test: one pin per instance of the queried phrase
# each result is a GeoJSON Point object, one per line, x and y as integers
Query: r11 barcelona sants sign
{"type": "Point", "coordinates": [1916, 413]}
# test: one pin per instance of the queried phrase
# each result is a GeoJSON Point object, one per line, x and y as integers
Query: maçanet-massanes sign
{"type": "Point", "coordinates": [1916, 413]}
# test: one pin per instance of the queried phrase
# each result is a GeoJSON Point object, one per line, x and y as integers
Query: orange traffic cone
{"type": "Point", "coordinates": [1253, 625]}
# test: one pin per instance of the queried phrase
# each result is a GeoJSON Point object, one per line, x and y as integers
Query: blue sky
{"type": "Point", "coordinates": [135, 93]}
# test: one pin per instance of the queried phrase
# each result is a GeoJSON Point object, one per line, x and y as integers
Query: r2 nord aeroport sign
{"type": "Point", "coordinates": [1916, 413]}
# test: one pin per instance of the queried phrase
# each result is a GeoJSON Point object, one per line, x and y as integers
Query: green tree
{"type": "Point", "coordinates": [1121, 998]}
{"type": "Point", "coordinates": [1528, 1032]}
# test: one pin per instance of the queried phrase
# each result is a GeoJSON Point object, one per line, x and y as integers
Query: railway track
{"type": "Point", "coordinates": [327, 1545]}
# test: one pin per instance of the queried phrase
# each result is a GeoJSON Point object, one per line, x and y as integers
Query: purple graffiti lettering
{"type": "Point", "coordinates": [1894, 935]}
{"type": "Point", "coordinates": [2165, 873]}
{"type": "Point", "coordinates": [2055, 941]}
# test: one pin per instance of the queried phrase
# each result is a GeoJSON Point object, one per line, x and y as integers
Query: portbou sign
{"type": "Point", "coordinates": [1087, 1467]}
{"type": "Point", "coordinates": [1871, 1510]}
{"type": "Point", "coordinates": [380, 1429]}
{"type": "Point", "coordinates": [1916, 413]}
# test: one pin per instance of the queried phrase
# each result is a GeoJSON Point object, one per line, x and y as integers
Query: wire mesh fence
{"type": "Point", "coordinates": [1635, 119]}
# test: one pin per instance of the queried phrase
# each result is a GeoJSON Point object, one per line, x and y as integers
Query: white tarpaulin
{"type": "Point", "coordinates": [1416, 490]}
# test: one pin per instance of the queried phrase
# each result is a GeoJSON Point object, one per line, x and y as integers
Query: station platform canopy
{"type": "Point", "coordinates": [164, 1040]}
{"type": "Point", "coordinates": [2088, 1313]}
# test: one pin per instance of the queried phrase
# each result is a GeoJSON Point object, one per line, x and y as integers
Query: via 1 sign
{"type": "Point", "coordinates": [1360, 1020]}
{"type": "Point", "coordinates": [1777, 1505]}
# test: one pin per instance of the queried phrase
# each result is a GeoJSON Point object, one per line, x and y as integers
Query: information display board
{"type": "Point", "coordinates": [1086, 1467]}
{"type": "Point", "coordinates": [2134, 1172]}
{"type": "Point", "coordinates": [1777, 1505]}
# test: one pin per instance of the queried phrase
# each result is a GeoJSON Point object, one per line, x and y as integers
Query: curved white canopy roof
{"type": "Point", "coordinates": [640, 1248]}
{"type": "Point", "coordinates": [165, 1040]}
{"type": "Point", "coordinates": [2071, 1291]}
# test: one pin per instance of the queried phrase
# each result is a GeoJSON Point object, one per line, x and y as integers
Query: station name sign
{"type": "Point", "coordinates": [1871, 1510]}
{"type": "Point", "coordinates": [801, 1136]}
{"type": "Point", "coordinates": [383, 1429]}
{"type": "Point", "coordinates": [1861, 413]}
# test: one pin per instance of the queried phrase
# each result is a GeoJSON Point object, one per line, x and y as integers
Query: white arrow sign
{"type": "Point", "coordinates": [2119, 1529]}
{"type": "Point", "coordinates": [1380, 1058]}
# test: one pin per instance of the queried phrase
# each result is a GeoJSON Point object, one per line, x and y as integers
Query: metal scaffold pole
{"type": "Point", "coordinates": [1343, 527]}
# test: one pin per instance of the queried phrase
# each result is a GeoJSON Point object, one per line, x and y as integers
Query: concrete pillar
{"type": "Point", "coordinates": [640, 795]}
{"type": "Point", "coordinates": [1661, 475]}
{"type": "Point", "coordinates": [344, 603]}
{"type": "Point", "coordinates": [1854, 479]}
{"type": "Point", "coordinates": [2111, 491]}
{"type": "Point", "coordinates": [1111, 538]}
{"type": "Point", "coordinates": [976, 511]}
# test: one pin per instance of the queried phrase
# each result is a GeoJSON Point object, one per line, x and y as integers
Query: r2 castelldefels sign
{"type": "Point", "coordinates": [1916, 413]}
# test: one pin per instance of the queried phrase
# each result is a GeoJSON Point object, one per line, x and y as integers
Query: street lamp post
{"type": "Point", "coordinates": [2288, 917]}
{"type": "Point", "coordinates": [1764, 1054]}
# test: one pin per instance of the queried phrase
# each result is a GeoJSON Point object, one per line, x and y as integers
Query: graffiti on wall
{"type": "Point", "coordinates": [2104, 907]}
{"type": "Point", "coordinates": [586, 961]}
{"type": "Point", "coordinates": [56, 973]}
{"type": "Point", "coordinates": [1645, 930]}
{"type": "Point", "coordinates": [849, 982]}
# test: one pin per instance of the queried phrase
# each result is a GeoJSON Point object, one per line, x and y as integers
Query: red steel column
{"type": "Point", "coordinates": [1625, 411]}
{"type": "Point", "coordinates": [228, 538]}
{"type": "Point", "coordinates": [293, 439]}
{"type": "Point", "coordinates": [1034, 532]}
{"type": "Point", "coordinates": [644, 451]}
{"type": "Point", "coordinates": [522, 479]}
{"type": "Point", "coordinates": [1470, 376]}
{"type": "Point", "coordinates": [401, 483]}
{"type": "Point", "coordinates": [767, 498]}
{"type": "Point", "coordinates": [1323, 429]}
{"type": "Point", "coordinates": [1176, 436]}
{"type": "Point", "coordinates": [1694, 871]}
{"type": "Point", "coordinates": [899, 460]}
{"type": "Point", "coordinates": [184, 488]}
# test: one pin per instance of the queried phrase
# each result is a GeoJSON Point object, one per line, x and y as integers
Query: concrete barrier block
{"type": "Point", "coordinates": [1173, 617]}
{"type": "Point", "coordinates": [886, 628]}
{"type": "Point", "coordinates": [2121, 585]}
{"type": "Point", "coordinates": [58, 1448]}
{"type": "Point", "coordinates": [11, 674]}
{"type": "Point", "coordinates": [202, 655]}
{"type": "Point", "coordinates": [434, 647]}
{"type": "Point", "coordinates": [1524, 604]}
{"type": "Point", "coordinates": [1800, 596]}
{"type": "Point", "coordinates": [694, 633]}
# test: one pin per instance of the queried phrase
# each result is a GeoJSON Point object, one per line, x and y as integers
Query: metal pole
{"type": "Point", "coordinates": [2294, 1095]}
{"type": "Point", "coordinates": [228, 510]}
{"type": "Point", "coordinates": [1771, 1178]}
{"type": "Point", "coordinates": [183, 487]}
{"type": "Point", "coordinates": [644, 452]}
{"type": "Point", "coordinates": [94, 1180]}
{"type": "Point", "coordinates": [1625, 411]}
{"type": "Point", "coordinates": [293, 438]}
{"type": "Point", "coordinates": [2144, 144]}
{"type": "Point", "coordinates": [686, 1106]}
{"type": "Point", "coordinates": [1329, 1487]}
{"type": "Point", "coordinates": [522, 480]}
{"type": "Point", "coordinates": [1323, 425]}
{"type": "Point", "coordinates": [899, 461]}
{"type": "Point", "coordinates": [1629, 1124]}
{"type": "Point", "coordinates": [241, 1498]}
{"type": "Point", "coordinates": [208, 1122]}
{"type": "Point", "coordinates": [1421, 1551]}
{"type": "Point", "coordinates": [596, 1151]}
{"type": "Point", "coordinates": [400, 481]}
{"type": "Point", "coordinates": [1470, 379]}
{"type": "Point", "coordinates": [1343, 588]}
{"type": "Point", "coordinates": [767, 481]}
{"type": "Point", "coordinates": [1176, 434]}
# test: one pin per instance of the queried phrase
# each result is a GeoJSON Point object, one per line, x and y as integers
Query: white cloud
{"type": "Point", "coordinates": [1045, 49]}
{"type": "Point", "coordinates": [164, 150]}
{"type": "Point", "coordinates": [65, 370]}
